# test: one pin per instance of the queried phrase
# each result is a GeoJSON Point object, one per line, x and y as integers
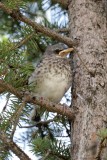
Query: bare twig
{"type": "Point", "coordinates": [13, 147]}
{"type": "Point", "coordinates": [82, 62]}
{"type": "Point", "coordinates": [58, 155]}
{"type": "Point", "coordinates": [16, 118]}
{"type": "Point", "coordinates": [102, 145]}
{"type": "Point", "coordinates": [40, 123]}
{"type": "Point", "coordinates": [88, 70]}
{"type": "Point", "coordinates": [47, 154]}
{"type": "Point", "coordinates": [46, 122]}
{"type": "Point", "coordinates": [18, 16]}
{"type": "Point", "coordinates": [4, 108]}
{"type": "Point", "coordinates": [28, 126]}
{"type": "Point", "coordinates": [52, 153]}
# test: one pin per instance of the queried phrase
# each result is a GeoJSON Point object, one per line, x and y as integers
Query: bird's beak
{"type": "Point", "coordinates": [65, 52]}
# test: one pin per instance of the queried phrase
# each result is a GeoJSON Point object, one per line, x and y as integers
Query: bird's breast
{"type": "Point", "coordinates": [54, 88]}
{"type": "Point", "coordinates": [51, 81]}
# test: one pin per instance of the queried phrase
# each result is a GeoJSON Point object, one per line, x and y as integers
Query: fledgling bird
{"type": "Point", "coordinates": [52, 76]}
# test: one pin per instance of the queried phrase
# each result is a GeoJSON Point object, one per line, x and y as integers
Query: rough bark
{"type": "Point", "coordinates": [88, 24]}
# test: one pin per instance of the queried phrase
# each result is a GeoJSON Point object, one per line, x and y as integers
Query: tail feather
{"type": "Point", "coordinates": [35, 116]}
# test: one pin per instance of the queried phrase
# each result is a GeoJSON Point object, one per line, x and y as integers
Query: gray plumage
{"type": "Point", "coordinates": [52, 76]}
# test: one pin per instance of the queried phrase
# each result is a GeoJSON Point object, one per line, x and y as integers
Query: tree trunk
{"type": "Point", "coordinates": [88, 25]}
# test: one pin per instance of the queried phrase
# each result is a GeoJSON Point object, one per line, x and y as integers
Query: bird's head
{"type": "Point", "coordinates": [59, 50]}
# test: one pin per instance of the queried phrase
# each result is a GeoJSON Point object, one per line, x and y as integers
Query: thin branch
{"type": "Point", "coordinates": [7, 100]}
{"type": "Point", "coordinates": [47, 154]}
{"type": "Point", "coordinates": [18, 16]}
{"type": "Point", "coordinates": [26, 39]}
{"type": "Point", "coordinates": [50, 106]}
{"type": "Point", "coordinates": [13, 147]}
{"type": "Point", "coordinates": [55, 154]}
{"type": "Point", "coordinates": [16, 120]}
{"type": "Point", "coordinates": [62, 30]}
{"type": "Point", "coordinates": [64, 3]}
{"type": "Point", "coordinates": [10, 88]}
{"type": "Point", "coordinates": [58, 155]}
{"type": "Point", "coordinates": [91, 72]}
{"type": "Point", "coordinates": [102, 145]}
{"type": "Point", "coordinates": [28, 126]}
{"type": "Point", "coordinates": [23, 41]}
{"type": "Point", "coordinates": [40, 123]}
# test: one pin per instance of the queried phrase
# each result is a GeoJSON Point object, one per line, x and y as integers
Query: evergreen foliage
{"type": "Point", "coordinates": [19, 47]}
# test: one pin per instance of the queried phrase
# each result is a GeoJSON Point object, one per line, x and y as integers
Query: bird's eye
{"type": "Point", "coordinates": [57, 51]}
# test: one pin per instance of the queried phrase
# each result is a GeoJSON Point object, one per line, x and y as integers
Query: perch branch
{"type": "Point", "coordinates": [50, 106]}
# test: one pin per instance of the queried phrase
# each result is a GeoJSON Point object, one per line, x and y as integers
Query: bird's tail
{"type": "Point", "coordinates": [35, 114]}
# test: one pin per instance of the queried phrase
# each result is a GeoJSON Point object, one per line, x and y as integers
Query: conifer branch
{"type": "Point", "coordinates": [16, 117]}
{"type": "Point", "coordinates": [10, 88]}
{"type": "Point", "coordinates": [50, 106]}
{"type": "Point", "coordinates": [13, 147]}
{"type": "Point", "coordinates": [15, 14]}
{"type": "Point", "coordinates": [23, 41]}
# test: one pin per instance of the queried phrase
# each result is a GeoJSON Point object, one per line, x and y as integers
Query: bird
{"type": "Point", "coordinates": [52, 76]}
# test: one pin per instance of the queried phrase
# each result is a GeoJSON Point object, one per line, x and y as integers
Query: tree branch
{"type": "Point", "coordinates": [18, 16]}
{"type": "Point", "coordinates": [46, 155]}
{"type": "Point", "coordinates": [102, 145]}
{"type": "Point", "coordinates": [62, 30]}
{"type": "Point", "coordinates": [1, 89]}
{"type": "Point", "coordinates": [23, 41]}
{"type": "Point", "coordinates": [10, 88]}
{"type": "Point", "coordinates": [28, 37]}
{"type": "Point", "coordinates": [64, 3]}
{"type": "Point", "coordinates": [13, 147]}
{"type": "Point", "coordinates": [17, 116]}
{"type": "Point", "coordinates": [50, 106]}
{"type": "Point", "coordinates": [41, 123]}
